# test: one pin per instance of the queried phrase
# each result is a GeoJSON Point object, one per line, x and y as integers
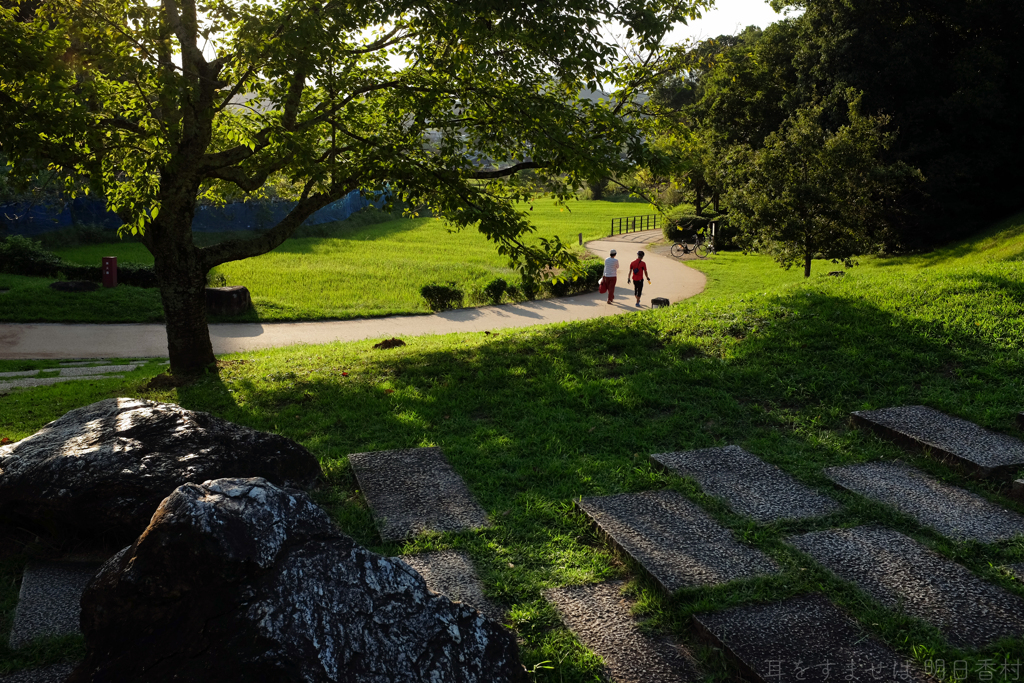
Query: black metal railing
{"type": "Point", "coordinates": [634, 223]}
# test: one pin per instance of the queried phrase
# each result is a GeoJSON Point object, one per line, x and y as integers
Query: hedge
{"type": "Point", "coordinates": [23, 256]}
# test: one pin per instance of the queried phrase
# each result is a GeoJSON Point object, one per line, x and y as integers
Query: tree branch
{"type": "Point", "coordinates": [505, 172]}
{"type": "Point", "coordinates": [234, 250]}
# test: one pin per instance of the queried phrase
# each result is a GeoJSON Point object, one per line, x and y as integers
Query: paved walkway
{"type": "Point", "coordinates": [671, 280]}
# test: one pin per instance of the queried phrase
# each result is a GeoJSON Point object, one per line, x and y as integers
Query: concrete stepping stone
{"type": "Point", "coordinates": [49, 601]}
{"type": "Point", "coordinates": [904, 575]}
{"type": "Point", "coordinates": [415, 490]}
{"type": "Point", "coordinates": [950, 510]}
{"type": "Point", "coordinates": [54, 673]}
{"type": "Point", "coordinates": [6, 387]}
{"type": "Point", "coordinates": [96, 370]}
{"type": "Point", "coordinates": [602, 620]}
{"type": "Point", "coordinates": [984, 453]}
{"type": "Point", "coordinates": [20, 373]}
{"type": "Point", "coordinates": [675, 541]}
{"type": "Point", "coordinates": [452, 574]}
{"type": "Point", "coordinates": [804, 638]}
{"type": "Point", "coordinates": [748, 484]}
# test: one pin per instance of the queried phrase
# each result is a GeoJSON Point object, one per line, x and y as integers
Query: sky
{"type": "Point", "coordinates": [727, 18]}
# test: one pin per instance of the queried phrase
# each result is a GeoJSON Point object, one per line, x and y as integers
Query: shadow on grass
{"type": "Point", "coordinates": [534, 419]}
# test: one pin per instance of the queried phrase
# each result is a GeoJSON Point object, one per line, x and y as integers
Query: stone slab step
{"type": "Point", "coordinates": [452, 574]}
{"type": "Point", "coordinates": [54, 673]}
{"type": "Point", "coordinates": [415, 490]}
{"type": "Point", "coordinates": [674, 540]}
{"type": "Point", "coordinates": [49, 601]}
{"type": "Point", "coordinates": [980, 451]}
{"type": "Point", "coordinates": [602, 620]}
{"type": "Point", "coordinates": [96, 370]}
{"type": "Point", "coordinates": [904, 575]}
{"type": "Point", "coordinates": [950, 510]}
{"type": "Point", "coordinates": [748, 484]}
{"type": "Point", "coordinates": [20, 373]}
{"type": "Point", "coordinates": [804, 638]}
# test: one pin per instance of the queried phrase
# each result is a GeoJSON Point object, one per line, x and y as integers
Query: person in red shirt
{"type": "Point", "coordinates": [637, 273]}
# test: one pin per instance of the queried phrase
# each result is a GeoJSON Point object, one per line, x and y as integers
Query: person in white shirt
{"type": "Point", "coordinates": [611, 274]}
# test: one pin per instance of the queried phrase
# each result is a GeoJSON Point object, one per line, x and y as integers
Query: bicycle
{"type": "Point", "coordinates": [698, 247]}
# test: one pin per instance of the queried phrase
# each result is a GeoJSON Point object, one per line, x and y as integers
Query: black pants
{"type": "Point", "coordinates": [638, 288]}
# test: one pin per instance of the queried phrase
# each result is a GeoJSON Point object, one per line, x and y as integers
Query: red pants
{"type": "Point", "coordinates": [609, 282]}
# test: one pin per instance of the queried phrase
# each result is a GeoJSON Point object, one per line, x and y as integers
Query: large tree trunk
{"type": "Point", "coordinates": [182, 278]}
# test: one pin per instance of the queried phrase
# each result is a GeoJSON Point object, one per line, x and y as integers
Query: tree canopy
{"type": "Point", "coordinates": [941, 76]}
{"type": "Point", "coordinates": [156, 105]}
{"type": "Point", "coordinates": [813, 192]}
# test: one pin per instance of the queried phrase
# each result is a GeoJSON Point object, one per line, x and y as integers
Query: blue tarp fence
{"type": "Point", "coordinates": [28, 220]}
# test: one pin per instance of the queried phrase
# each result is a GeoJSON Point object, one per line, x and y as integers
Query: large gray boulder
{"type": "Point", "coordinates": [239, 580]}
{"type": "Point", "coordinates": [103, 469]}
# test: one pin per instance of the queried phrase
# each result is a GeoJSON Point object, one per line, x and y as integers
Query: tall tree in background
{"type": "Point", "coordinates": [812, 192]}
{"type": "Point", "coordinates": [950, 75]}
{"type": "Point", "coordinates": [155, 105]}
{"type": "Point", "coordinates": [946, 75]}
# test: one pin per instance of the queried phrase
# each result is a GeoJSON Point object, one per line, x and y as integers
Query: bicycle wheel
{"type": "Point", "coordinates": [678, 249]}
{"type": "Point", "coordinates": [701, 250]}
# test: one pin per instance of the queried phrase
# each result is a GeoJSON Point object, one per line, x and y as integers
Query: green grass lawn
{"type": "Point", "coordinates": [367, 270]}
{"type": "Point", "coordinates": [533, 419]}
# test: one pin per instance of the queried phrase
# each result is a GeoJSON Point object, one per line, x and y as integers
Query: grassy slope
{"type": "Point", "coordinates": [534, 419]}
{"type": "Point", "coordinates": [367, 271]}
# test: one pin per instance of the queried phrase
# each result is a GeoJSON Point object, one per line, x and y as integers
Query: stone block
{"type": "Point", "coordinates": [101, 470]}
{"type": "Point", "coordinates": [950, 510]}
{"type": "Point", "coordinates": [227, 300]}
{"type": "Point", "coordinates": [677, 543]}
{"type": "Point", "coordinates": [659, 302]}
{"type": "Point", "coordinates": [981, 452]}
{"type": "Point", "coordinates": [452, 574]}
{"type": "Point", "coordinates": [415, 490]}
{"type": "Point", "coordinates": [240, 580]}
{"type": "Point", "coordinates": [602, 620]}
{"type": "Point", "coordinates": [748, 484]}
{"type": "Point", "coordinates": [906, 576]}
{"type": "Point", "coordinates": [54, 673]}
{"type": "Point", "coordinates": [804, 638]}
{"type": "Point", "coordinates": [48, 604]}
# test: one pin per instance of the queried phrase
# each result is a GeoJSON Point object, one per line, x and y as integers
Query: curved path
{"type": "Point", "coordinates": [671, 280]}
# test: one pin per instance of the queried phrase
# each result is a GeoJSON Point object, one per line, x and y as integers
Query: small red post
{"type": "Point", "coordinates": [110, 271]}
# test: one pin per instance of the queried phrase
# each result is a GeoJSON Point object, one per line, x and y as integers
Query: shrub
{"type": "Point", "coordinates": [588, 282]}
{"type": "Point", "coordinates": [442, 297]}
{"type": "Point", "coordinates": [22, 256]}
{"type": "Point", "coordinates": [687, 225]}
{"type": "Point", "coordinates": [529, 287]}
{"type": "Point", "coordinates": [495, 290]}
{"type": "Point", "coordinates": [215, 279]}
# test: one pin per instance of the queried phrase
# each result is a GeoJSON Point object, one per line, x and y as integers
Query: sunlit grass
{"type": "Point", "coordinates": [371, 270]}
